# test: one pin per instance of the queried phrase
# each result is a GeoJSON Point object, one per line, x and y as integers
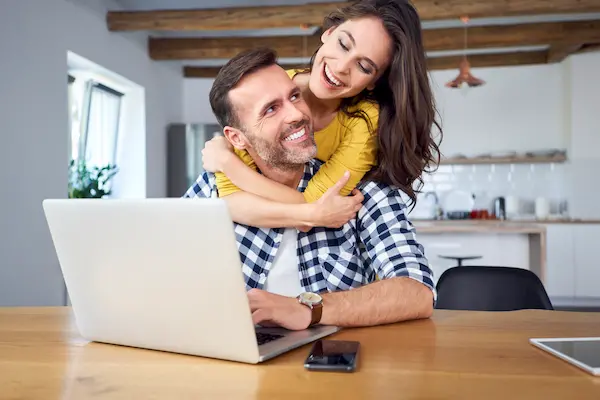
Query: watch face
{"type": "Point", "coordinates": [310, 298]}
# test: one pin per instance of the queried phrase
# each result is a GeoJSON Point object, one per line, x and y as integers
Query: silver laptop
{"type": "Point", "coordinates": [162, 274]}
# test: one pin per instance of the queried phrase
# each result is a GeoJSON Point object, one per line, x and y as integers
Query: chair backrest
{"type": "Point", "coordinates": [483, 288]}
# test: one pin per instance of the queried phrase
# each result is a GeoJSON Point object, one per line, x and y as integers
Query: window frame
{"type": "Point", "coordinates": [90, 86]}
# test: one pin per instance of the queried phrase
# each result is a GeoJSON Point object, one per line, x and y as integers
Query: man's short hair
{"type": "Point", "coordinates": [229, 76]}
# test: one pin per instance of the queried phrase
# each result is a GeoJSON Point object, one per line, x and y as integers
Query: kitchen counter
{"type": "Point", "coordinates": [491, 225]}
{"type": "Point", "coordinates": [501, 243]}
{"type": "Point", "coordinates": [568, 221]}
{"type": "Point", "coordinates": [475, 226]}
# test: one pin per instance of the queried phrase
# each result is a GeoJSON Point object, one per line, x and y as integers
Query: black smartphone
{"type": "Point", "coordinates": [333, 355]}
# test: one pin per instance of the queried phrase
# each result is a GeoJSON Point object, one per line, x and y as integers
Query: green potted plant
{"type": "Point", "coordinates": [89, 182]}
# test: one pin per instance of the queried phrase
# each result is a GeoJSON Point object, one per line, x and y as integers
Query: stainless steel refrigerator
{"type": "Point", "coordinates": [184, 154]}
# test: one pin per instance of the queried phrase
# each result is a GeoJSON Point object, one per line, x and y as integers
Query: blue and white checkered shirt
{"type": "Point", "coordinates": [380, 242]}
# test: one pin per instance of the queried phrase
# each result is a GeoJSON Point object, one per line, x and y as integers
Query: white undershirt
{"type": "Point", "coordinates": [283, 278]}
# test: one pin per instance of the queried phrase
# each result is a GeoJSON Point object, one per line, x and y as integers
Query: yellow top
{"type": "Point", "coordinates": [346, 144]}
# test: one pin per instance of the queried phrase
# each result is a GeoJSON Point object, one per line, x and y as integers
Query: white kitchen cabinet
{"type": "Point", "coordinates": [491, 247]}
{"type": "Point", "coordinates": [560, 260]}
{"type": "Point", "coordinates": [586, 243]}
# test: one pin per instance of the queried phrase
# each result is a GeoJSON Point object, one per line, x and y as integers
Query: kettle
{"type": "Point", "coordinates": [500, 208]}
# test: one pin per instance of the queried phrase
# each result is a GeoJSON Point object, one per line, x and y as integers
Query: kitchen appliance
{"type": "Point", "coordinates": [542, 208]}
{"type": "Point", "coordinates": [184, 154]}
{"type": "Point", "coordinates": [513, 207]}
{"type": "Point", "coordinates": [458, 204]}
{"type": "Point", "coordinates": [458, 214]}
{"type": "Point", "coordinates": [500, 207]}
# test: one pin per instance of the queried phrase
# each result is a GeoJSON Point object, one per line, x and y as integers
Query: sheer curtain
{"type": "Point", "coordinates": [99, 144]}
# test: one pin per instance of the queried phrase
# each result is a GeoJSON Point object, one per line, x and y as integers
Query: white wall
{"type": "Point", "coordinates": [583, 116]}
{"type": "Point", "coordinates": [518, 109]}
{"type": "Point", "coordinates": [35, 36]}
{"type": "Point", "coordinates": [196, 106]}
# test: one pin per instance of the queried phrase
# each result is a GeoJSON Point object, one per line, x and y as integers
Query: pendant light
{"type": "Point", "coordinates": [464, 75]}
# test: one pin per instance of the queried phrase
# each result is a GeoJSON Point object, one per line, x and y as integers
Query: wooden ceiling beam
{"type": "Point", "coordinates": [211, 72]}
{"type": "Point", "coordinates": [453, 9]}
{"type": "Point", "coordinates": [227, 47]}
{"type": "Point", "coordinates": [479, 37]}
{"type": "Point", "coordinates": [559, 51]}
{"type": "Point", "coordinates": [589, 47]}
{"type": "Point", "coordinates": [434, 63]}
{"type": "Point", "coordinates": [200, 72]}
{"type": "Point", "coordinates": [236, 18]}
{"type": "Point", "coordinates": [232, 18]}
{"type": "Point", "coordinates": [532, 34]}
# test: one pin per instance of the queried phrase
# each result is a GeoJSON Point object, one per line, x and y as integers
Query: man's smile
{"type": "Point", "coordinates": [296, 136]}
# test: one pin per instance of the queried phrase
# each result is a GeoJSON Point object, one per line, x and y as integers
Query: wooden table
{"type": "Point", "coordinates": [454, 355]}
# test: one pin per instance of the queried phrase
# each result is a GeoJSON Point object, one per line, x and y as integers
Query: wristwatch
{"type": "Point", "coordinates": [315, 303]}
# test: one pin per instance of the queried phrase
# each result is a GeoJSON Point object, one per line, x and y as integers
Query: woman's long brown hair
{"type": "Point", "coordinates": [407, 111]}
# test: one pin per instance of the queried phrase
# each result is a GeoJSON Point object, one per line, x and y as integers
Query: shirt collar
{"type": "Point", "coordinates": [310, 169]}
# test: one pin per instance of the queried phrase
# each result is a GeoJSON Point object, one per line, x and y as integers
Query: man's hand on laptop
{"type": "Point", "coordinates": [333, 210]}
{"type": "Point", "coordinates": [269, 309]}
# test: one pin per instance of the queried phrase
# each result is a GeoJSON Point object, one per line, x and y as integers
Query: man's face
{"type": "Point", "coordinates": [275, 119]}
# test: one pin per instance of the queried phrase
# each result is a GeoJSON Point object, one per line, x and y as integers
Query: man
{"type": "Point", "coordinates": [329, 275]}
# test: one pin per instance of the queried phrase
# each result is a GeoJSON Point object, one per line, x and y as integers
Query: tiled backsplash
{"type": "Point", "coordinates": [525, 181]}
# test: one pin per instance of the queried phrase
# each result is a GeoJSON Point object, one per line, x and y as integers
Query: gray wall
{"type": "Point", "coordinates": [34, 38]}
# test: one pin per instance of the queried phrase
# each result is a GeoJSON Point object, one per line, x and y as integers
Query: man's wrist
{"type": "Point", "coordinates": [304, 312]}
{"type": "Point", "coordinates": [329, 304]}
{"type": "Point", "coordinates": [314, 303]}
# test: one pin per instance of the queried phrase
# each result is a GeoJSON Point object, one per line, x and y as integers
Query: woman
{"type": "Point", "coordinates": [373, 113]}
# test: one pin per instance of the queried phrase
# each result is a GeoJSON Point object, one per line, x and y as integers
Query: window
{"type": "Point", "coordinates": [73, 118]}
{"type": "Point", "coordinates": [102, 110]}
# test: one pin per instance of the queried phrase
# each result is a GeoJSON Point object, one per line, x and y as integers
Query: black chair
{"type": "Point", "coordinates": [482, 288]}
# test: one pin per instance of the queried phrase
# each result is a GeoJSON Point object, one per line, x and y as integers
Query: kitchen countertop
{"type": "Point", "coordinates": [491, 225]}
{"type": "Point", "coordinates": [567, 221]}
{"type": "Point", "coordinates": [488, 222]}
{"type": "Point", "coordinates": [484, 226]}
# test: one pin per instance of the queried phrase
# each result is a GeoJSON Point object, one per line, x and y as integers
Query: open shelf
{"type": "Point", "coordinates": [559, 158]}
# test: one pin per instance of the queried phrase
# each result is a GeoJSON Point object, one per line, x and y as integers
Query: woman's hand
{"type": "Point", "coordinates": [333, 210]}
{"type": "Point", "coordinates": [215, 154]}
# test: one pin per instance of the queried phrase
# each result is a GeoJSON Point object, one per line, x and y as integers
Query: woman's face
{"type": "Point", "coordinates": [353, 56]}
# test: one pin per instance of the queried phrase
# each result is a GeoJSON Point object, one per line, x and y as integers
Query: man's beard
{"type": "Point", "coordinates": [279, 156]}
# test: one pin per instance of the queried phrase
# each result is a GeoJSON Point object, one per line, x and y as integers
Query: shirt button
{"type": "Point", "coordinates": [263, 277]}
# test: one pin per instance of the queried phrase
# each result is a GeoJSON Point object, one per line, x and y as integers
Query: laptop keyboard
{"type": "Point", "coordinates": [263, 338]}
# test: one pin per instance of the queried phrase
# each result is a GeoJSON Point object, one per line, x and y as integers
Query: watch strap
{"type": "Point", "coordinates": [317, 312]}
{"type": "Point", "coordinates": [315, 309]}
